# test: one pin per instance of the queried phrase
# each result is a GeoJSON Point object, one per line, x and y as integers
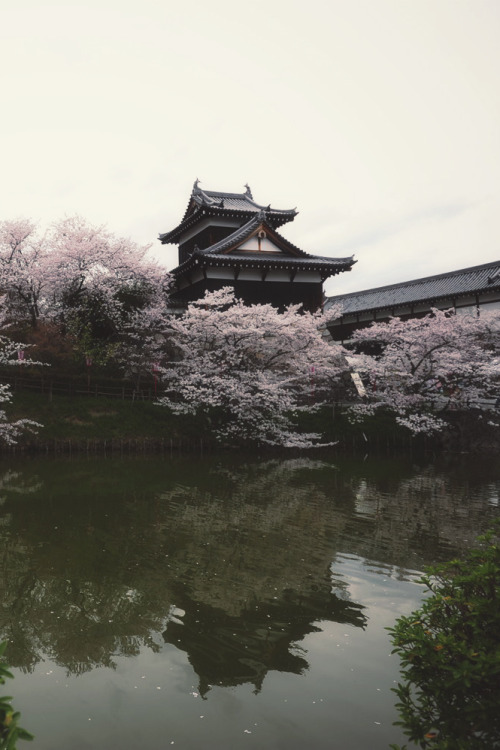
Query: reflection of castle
{"type": "Point", "coordinates": [227, 650]}
{"type": "Point", "coordinates": [255, 571]}
{"type": "Point", "coordinates": [262, 530]}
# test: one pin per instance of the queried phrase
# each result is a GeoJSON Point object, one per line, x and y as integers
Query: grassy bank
{"type": "Point", "coordinates": [96, 423]}
{"type": "Point", "coordinates": [79, 420]}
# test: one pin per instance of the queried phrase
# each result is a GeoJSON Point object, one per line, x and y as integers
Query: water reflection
{"type": "Point", "coordinates": [233, 563]}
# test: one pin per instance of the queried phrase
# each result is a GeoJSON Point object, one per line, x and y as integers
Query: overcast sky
{"type": "Point", "coordinates": [378, 119]}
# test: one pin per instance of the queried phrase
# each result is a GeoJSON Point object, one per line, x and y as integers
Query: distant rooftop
{"type": "Point", "coordinates": [465, 281]}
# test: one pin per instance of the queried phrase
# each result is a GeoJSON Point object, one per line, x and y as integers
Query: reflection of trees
{"type": "Point", "coordinates": [79, 625]}
{"type": "Point", "coordinates": [15, 482]}
{"type": "Point", "coordinates": [87, 580]}
{"type": "Point", "coordinates": [95, 558]}
{"type": "Point", "coordinates": [419, 519]}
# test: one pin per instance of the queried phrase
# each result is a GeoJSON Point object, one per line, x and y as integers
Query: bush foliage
{"type": "Point", "coordinates": [450, 655]}
{"type": "Point", "coordinates": [10, 731]}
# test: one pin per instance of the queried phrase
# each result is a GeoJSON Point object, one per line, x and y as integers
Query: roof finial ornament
{"type": "Point", "coordinates": [196, 189]}
{"type": "Point", "coordinates": [248, 191]}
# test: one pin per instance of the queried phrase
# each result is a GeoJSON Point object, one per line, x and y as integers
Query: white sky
{"type": "Point", "coordinates": [377, 119]}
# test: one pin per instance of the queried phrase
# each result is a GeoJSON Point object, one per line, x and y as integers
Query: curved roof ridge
{"type": "Point", "coordinates": [216, 197]}
{"type": "Point", "coordinates": [202, 198]}
{"type": "Point", "coordinates": [238, 235]}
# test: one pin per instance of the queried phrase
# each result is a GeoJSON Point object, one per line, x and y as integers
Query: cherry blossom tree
{"type": "Point", "coordinates": [10, 355]}
{"type": "Point", "coordinates": [98, 279]}
{"type": "Point", "coordinates": [85, 257]}
{"type": "Point", "coordinates": [144, 343]}
{"type": "Point", "coordinates": [428, 367]}
{"type": "Point", "coordinates": [80, 278]}
{"type": "Point", "coordinates": [23, 268]}
{"type": "Point", "coordinates": [248, 369]}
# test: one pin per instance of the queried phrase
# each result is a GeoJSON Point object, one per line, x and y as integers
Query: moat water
{"type": "Point", "coordinates": [221, 602]}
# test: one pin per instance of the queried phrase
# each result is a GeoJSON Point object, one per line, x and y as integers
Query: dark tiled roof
{"type": "Point", "coordinates": [295, 259]}
{"type": "Point", "coordinates": [237, 202]}
{"type": "Point", "coordinates": [234, 201]}
{"type": "Point", "coordinates": [278, 260]}
{"type": "Point", "coordinates": [432, 288]}
{"type": "Point", "coordinates": [326, 266]}
{"type": "Point", "coordinates": [225, 204]}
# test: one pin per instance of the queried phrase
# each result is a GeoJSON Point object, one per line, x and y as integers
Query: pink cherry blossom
{"type": "Point", "coordinates": [247, 369]}
{"type": "Point", "coordinates": [427, 367]}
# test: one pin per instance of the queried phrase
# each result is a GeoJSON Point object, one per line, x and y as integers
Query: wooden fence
{"type": "Point", "coordinates": [80, 387]}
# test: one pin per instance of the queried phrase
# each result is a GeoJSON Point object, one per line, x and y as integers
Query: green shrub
{"type": "Point", "coordinates": [10, 731]}
{"type": "Point", "coordinates": [450, 655]}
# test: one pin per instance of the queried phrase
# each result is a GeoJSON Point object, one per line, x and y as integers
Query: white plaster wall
{"type": "Point", "coordinates": [488, 297]}
{"type": "Point", "coordinates": [490, 305]}
{"type": "Point", "coordinates": [249, 274]}
{"type": "Point", "coordinates": [220, 273]}
{"type": "Point", "coordinates": [266, 246]}
{"type": "Point", "coordinates": [308, 276]}
{"type": "Point", "coordinates": [467, 310]}
{"type": "Point", "coordinates": [278, 275]}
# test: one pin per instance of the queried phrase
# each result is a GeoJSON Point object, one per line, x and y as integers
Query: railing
{"type": "Point", "coordinates": [80, 387]}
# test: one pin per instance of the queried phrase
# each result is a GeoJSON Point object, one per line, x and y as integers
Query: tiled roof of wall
{"type": "Point", "coordinates": [454, 284]}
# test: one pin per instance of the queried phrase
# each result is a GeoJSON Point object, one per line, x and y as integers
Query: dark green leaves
{"type": "Point", "coordinates": [10, 731]}
{"type": "Point", "coordinates": [450, 655]}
